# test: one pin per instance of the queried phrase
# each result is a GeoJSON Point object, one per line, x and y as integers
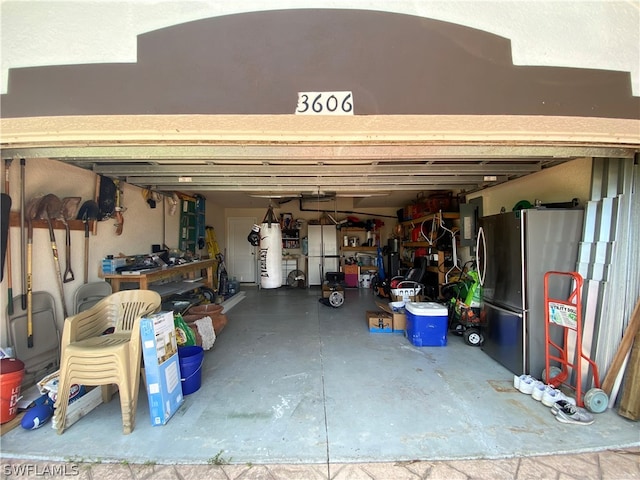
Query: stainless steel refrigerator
{"type": "Point", "coordinates": [323, 254]}
{"type": "Point", "coordinates": [521, 247]}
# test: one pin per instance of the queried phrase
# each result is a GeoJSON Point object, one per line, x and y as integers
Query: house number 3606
{"type": "Point", "coordinates": [325, 103]}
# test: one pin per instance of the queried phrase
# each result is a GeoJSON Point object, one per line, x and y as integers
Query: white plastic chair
{"type": "Point", "coordinates": [92, 357]}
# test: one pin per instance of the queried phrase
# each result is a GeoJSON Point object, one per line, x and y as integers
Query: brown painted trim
{"type": "Point", "coordinates": [257, 62]}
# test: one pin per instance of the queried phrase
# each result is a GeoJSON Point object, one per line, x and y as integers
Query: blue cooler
{"type": "Point", "coordinates": [427, 324]}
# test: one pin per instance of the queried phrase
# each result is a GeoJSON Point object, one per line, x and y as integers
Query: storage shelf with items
{"type": "Point", "coordinates": [358, 252]}
{"type": "Point", "coordinates": [290, 239]}
{"type": "Point", "coordinates": [188, 230]}
{"type": "Point", "coordinates": [427, 237]}
{"type": "Point", "coordinates": [356, 239]}
{"type": "Point", "coordinates": [192, 224]}
{"type": "Point", "coordinates": [200, 221]}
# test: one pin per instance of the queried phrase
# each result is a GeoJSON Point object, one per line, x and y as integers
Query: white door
{"type": "Point", "coordinates": [241, 255]}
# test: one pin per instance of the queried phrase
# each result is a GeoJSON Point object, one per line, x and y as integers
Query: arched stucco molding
{"type": "Point", "coordinates": [257, 62]}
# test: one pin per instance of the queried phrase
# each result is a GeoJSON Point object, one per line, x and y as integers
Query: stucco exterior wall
{"type": "Point", "coordinates": [596, 34]}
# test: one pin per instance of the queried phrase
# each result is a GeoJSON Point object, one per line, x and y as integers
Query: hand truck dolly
{"type": "Point", "coordinates": [567, 314]}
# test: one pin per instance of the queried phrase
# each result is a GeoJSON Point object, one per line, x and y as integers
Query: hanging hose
{"type": "Point", "coordinates": [455, 265]}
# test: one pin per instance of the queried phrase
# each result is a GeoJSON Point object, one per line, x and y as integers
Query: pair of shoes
{"type": "Point", "coordinates": [552, 395]}
{"type": "Point", "coordinates": [526, 384]}
{"type": "Point", "coordinates": [576, 415]}
{"type": "Point", "coordinates": [519, 378]}
{"type": "Point", "coordinates": [516, 382]}
{"type": "Point", "coordinates": [540, 389]}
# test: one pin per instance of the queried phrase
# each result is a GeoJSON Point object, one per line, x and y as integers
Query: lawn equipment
{"type": "Point", "coordinates": [463, 301]}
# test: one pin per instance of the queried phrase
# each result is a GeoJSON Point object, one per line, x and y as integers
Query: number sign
{"type": "Point", "coordinates": [325, 103]}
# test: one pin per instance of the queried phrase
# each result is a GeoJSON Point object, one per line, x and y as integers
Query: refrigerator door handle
{"type": "Point", "coordinates": [481, 271]}
{"type": "Point", "coordinates": [504, 310]}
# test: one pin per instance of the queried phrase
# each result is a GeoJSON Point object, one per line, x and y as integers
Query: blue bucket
{"type": "Point", "coordinates": [191, 360]}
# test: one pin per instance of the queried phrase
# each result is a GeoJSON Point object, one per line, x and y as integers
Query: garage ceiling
{"type": "Point", "coordinates": [387, 161]}
{"type": "Point", "coordinates": [373, 175]}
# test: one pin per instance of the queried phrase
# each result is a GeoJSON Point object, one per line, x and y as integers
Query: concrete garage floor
{"type": "Point", "coordinates": [292, 381]}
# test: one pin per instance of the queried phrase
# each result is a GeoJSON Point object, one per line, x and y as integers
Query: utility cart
{"type": "Point", "coordinates": [566, 314]}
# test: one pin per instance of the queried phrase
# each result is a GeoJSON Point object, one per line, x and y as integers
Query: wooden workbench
{"type": "Point", "coordinates": [189, 271]}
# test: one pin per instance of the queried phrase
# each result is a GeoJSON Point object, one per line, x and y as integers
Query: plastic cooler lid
{"type": "Point", "coordinates": [426, 309]}
{"type": "Point", "coordinates": [11, 365]}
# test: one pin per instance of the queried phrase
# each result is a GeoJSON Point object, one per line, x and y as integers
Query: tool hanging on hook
{"type": "Point", "coordinates": [119, 209]}
{"type": "Point", "coordinates": [23, 240]}
{"type": "Point", "coordinates": [7, 167]}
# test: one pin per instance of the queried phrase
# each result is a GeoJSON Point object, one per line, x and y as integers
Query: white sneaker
{"type": "Point", "coordinates": [539, 389]}
{"type": "Point", "coordinates": [553, 395]}
{"type": "Point", "coordinates": [526, 384]}
{"type": "Point", "coordinates": [517, 379]}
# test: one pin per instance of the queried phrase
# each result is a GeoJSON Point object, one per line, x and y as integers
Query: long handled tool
{"type": "Point", "coordinates": [49, 209]}
{"type": "Point", "coordinates": [30, 212]}
{"type": "Point", "coordinates": [7, 166]}
{"type": "Point", "coordinates": [88, 211]}
{"type": "Point", "coordinates": [5, 213]}
{"type": "Point", "coordinates": [23, 217]}
{"type": "Point", "coordinates": [68, 212]}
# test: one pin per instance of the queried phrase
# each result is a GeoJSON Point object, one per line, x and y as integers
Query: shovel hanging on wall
{"type": "Point", "coordinates": [49, 209]}
{"type": "Point", "coordinates": [68, 212]}
{"type": "Point", "coordinates": [88, 211]}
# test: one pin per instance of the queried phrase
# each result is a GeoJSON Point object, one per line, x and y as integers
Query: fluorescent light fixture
{"type": "Point", "coordinates": [312, 195]}
{"type": "Point", "coordinates": [362, 194]}
{"type": "Point", "coordinates": [274, 195]}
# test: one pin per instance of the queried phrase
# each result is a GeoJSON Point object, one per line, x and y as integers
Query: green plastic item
{"type": "Point", "coordinates": [522, 205]}
{"type": "Point", "coordinates": [474, 295]}
{"type": "Point", "coordinates": [185, 337]}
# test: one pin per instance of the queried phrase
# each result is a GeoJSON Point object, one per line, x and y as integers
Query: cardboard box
{"type": "Point", "coordinates": [161, 366]}
{"type": "Point", "coordinates": [379, 322]}
{"type": "Point", "coordinates": [80, 408]}
{"type": "Point", "coordinates": [399, 318]}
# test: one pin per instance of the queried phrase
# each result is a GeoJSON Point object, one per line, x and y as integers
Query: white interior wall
{"type": "Point", "coordinates": [142, 228]}
{"type": "Point", "coordinates": [561, 183]}
{"type": "Point", "coordinates": [312, 212]}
